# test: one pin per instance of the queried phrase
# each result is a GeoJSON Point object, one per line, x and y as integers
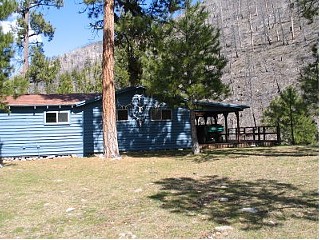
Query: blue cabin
{"type": "Point", "coordinates": [71, 124]}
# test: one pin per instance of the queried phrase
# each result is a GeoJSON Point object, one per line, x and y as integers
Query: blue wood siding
{"type": "Point", "coordinates": [24, 133]}
{"type": "Point", "coordinates": [150, 135]}
{"type": "Point", "coordinates": [156, 135]}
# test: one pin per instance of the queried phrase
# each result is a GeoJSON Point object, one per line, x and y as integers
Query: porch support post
{"type": "Point", "coordinates": [225, 115]}
{"type": "Point", "coordinates": [278, 134]}
{"type": "Point", "coordinates": [215, 119]}
{"type": "Point", "coordinates": [197, 120]}
{"type": "Point", "coordinates": [238, 127]}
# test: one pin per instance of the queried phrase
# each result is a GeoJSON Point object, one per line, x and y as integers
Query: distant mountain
{"type": "Point", "coordinates": [79, 57]}
{"type": "Point", "coordinates": [266, 43]}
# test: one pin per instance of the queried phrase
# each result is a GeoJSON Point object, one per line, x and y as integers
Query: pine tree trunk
{"type": "Point", "coordinates": [110, 140]}
{"type": "Point", "coordinates": [194, 138]}
{"type": "Point", "coordinates": [26, 42]}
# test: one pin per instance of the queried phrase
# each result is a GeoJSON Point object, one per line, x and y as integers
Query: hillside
{"type": "Point", "coordinates": [266, 43]}
{"type": "Point", "coordinates": [79, 57]}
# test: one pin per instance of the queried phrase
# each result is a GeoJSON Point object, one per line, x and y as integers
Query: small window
{"type": "Point", "coordinates": [57, 117]}
{"type": "Point", "coordinates": [161, 114]}
{"type": "Point", "coordinates": [166, 114]}
{"type": "Point", "coordinates": [122, 115]}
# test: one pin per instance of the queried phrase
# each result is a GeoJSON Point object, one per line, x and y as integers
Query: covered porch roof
{"type": "Point", "coordinates": [209, 109]}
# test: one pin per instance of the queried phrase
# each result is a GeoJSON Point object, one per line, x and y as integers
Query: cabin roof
{"type": "Point", "coordinates": [78, 99]}
{"type": "Point", "coordinates": [220, 107]}
{"type": "Point", "coordinates": [50, 99]}
{"type": "Point", "coordinates": [72, 99]}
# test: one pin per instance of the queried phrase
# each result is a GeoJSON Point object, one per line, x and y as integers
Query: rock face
{"type": "Point", "coordinates": [80, 57]}
{"type": "Point", "coordinates": [266, 43]}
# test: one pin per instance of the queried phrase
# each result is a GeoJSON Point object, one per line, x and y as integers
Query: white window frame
{"type": "Point", "coordinates": [57, 121]}
{"type": "Point", "coordinates": [161, 109]}
{"type": "Point", "coordinates": [127, 115]}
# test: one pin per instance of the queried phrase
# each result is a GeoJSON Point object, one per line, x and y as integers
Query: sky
{"type": "Point", "coordinates": [71, 29]}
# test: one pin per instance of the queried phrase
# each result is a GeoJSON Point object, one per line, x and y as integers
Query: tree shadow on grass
{"type": "Point", "coordinates": [262, 203]}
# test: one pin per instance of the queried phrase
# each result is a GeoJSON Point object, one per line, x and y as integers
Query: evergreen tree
{"type": "Point", "coordinates": [309, 79]}
{"type": "Point", "coordinates": [65, 84]}
{"type": "Point", "coordinates": [186, 66]}
{"type": "Point", "coordinates": [86, 80]}
{"type": "Point", "coordinates": [42, 70]}
{"type": "Point", "coordinates": [110, 136]}
{"type": "Point", "coordinates": [31, 22]}
{"type": "Point", "coordinates": [121, 71]}
{"type": "Point", "coordinates": [309, 82]}
{"type": "Point", "coordinates": [16, 86]}
{"type": "Point", "coordinates": [133, 35]}
{"type": "Point", "coordinates": [289, 112]}
{"type": "Point", "coordinates": [6, 52]}
{"type": "Point", "coordinates": [309, 9]}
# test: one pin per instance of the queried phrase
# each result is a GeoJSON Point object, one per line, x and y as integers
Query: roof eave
{"type": "Point", "coordinates": [41, 105]}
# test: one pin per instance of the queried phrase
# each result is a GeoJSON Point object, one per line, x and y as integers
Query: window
{"type": "Point", "coordinates": [58, 117]}
{"type": "Point", "coordinates": [161, 114]}
{"type": "Point", "coordinates": [122, 114]}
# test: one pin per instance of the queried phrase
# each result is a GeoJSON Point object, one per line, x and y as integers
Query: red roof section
{"type": "Point", "coordinates": [49, 99]}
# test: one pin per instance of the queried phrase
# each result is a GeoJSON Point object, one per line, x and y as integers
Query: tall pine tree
{"type": "Point", "coordinates": [42, 70]}
{"type": "Point", "coordinates": [31, 22]}
{"type": "Point", "coordinates": [6, 52]}
{"type": "Point", "coordinates": [133, 35]}
{"type": "Point", "coordinates": [110, 138]}
{"type": "Point", "coordinates": [309, 82]}
{"type": "Point", "coordinates": [309, 79]}
{"type": "Point", "coordinates": [136, 8]}
{"type": "Point", "coordinates": [289, 112]}
{"type": "Point", "coordinates": [187, 65]}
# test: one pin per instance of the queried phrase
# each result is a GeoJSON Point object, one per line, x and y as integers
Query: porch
{"type": "Point", "coordinates": [213, 135]}
{"type": "Point", "coordinates": [246, 137]}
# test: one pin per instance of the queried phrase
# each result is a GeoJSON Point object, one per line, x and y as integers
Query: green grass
{"type": "Point", "coordinates": [164, 195]}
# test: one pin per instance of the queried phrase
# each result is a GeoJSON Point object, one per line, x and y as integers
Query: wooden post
{"type": "Point", "coordinates": [278, 134]}
{"type": "Point", "coordinates": [215, 119]}
{"type": "Point", "coordinates": [238, 127]}
{"type": "Point", "coordinates": [225, 114]}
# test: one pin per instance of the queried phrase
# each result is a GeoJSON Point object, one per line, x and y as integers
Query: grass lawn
{"type": "Point", "coordinates": [256, 192]}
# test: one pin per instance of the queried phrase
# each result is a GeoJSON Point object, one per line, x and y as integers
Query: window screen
{"type": "Point", "coordinates": [63, 117]}
{"type": "Point", "coordinates": [156, 114]}
{"type": "Point", "coordinates": [51, 117]}
{"type": "Point", "coordinates": [161, 114]}
{"type": "Point", "coordinates": [166, 114]}
{"type": "Point", "coordinates": [56, 117]}
{"type": "Point", "coordinates": [122, 114]}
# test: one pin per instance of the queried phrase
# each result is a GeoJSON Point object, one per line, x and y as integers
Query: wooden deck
{"type": "Point", "coordinates": [246, 137]}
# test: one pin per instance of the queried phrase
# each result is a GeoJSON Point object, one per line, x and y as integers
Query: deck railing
{"type": "Point", "coordinates": [256, 134]}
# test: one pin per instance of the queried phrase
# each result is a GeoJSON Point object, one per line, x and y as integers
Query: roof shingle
{"type": "Point", "coordinates": [50, 99]}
